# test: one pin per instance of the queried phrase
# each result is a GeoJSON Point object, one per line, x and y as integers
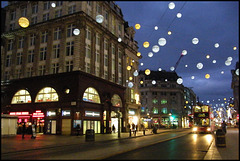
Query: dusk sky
{"type": "Point", "coordinates": [210, 22]}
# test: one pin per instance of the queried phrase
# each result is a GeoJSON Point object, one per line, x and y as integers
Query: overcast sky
{"type": "Point", "coordinates": [210, 21]}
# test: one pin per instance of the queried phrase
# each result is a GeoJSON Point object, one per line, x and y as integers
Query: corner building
{"type": "Point", "coordinates": [67, 67]}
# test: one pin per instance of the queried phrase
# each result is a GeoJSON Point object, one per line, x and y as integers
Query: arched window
{"type": "Point", "coordinates": [91, 95]}
{"type": "Point", "coordinates": [22, 96]}
{"type": "Point", "coordinates": [116, 101]}
{"type": "Point", "coordinates": [47, 94]}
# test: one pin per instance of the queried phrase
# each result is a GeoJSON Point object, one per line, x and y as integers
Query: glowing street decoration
{"type": "Point", "coordinates": [227, 62]}
{"type": "Point", "coordinates": [162, 41]}
{"type": "Point", "coordinates": [234, 48]}
{"type": "Point", "coordinates": [195, 41]}
{"type": "Point", "coordinates": [53, 5]}
{"type": "Point", "coordinates": [23, 22]}
{"type": "Point", "coordinates": [184, 52]}
{"type": "Point", "coordinates": [138, 54]}
{"type": "Point", "coordinates": [147, 71]}
{"type": "Point", "coordinates": [192, 77]}
{"type": "Point", "coordinates": [18, 113]}
{"type": "Point", "coordinates": [237, 72]}
{"type": "Point", "coordinates": [229, 58]}
{"type": "Point", "coordinates": [179, 80]}
{"type": "Point", "coordinates": [135, 73]}
{"type": "Point", "coordinates": [155, 28]}
{"type": "Point", "coordinates": [171, 5]}
{"type": "Point", "coordinates": [129, 67]}
{"type": "Point", "coordinates": [154, 82]}
{"type": "Point", "coordinates": [99, 18]}
{"type": "Point", "coordinates": [130, 84]}
{"type": "Point", "coordinates": [76, 31]}
{"type": "Point", "coordinates": [146, 44]}
{"type": "Point", "coordinates": [172, 68]}
{"type": "Point", "coordinates": [207, 76]}
{"type": "Point", "coordinates": [150, 54]}
{"type": "Point", "coordinates": [216, 45]}
{"type": "Point", "coordinates": [119, 39]}
{"type": "Point", "coordinates": [199, 65]}
{"type": "Point", "coordinates": [169, 32]}
{"type": "Point", "coordinates": [137, 26]}
{"type": "Point", "coordinates": [155, 48]}
{"type": "Point", "coordinates": [214, 61]}
{"type": "Point", "coordinates": [159, 69]}
{"type": "Point", "coordinates": [207, 56]}
{"type": "Point", "coordinates": [179, 15]}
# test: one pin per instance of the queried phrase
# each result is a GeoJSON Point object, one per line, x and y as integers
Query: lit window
{"type": "Point", "coordinates": [163, 101]}
{"type": "Point", "coordinates": [91, 95]}
{"type": "Point", "coordinates": [21, 96]}
{"type": "Point", "coordinates": [47, 94]}
{"type": "Point", "coordinates": [116, 101]}
{"type": "Point", "coordinates": [155, 110]}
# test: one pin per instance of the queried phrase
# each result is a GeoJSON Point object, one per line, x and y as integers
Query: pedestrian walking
{"type": "Point", "coordinates": [224, 127]}
{"type": "Point", "coordinates": [129, 127]}
{"type": "Point", "coordinates": [78, 129]}
{"type": "Point", "coordinates": [143, 129]}
{"type": "Point", "coordinates": [113, 128]}
{"type": "Point", "coordinates": [133, 128]}
{"type": "Point", "coordinates": [23, 130]}
{"type": "Point", "coordinates": [33, 132]}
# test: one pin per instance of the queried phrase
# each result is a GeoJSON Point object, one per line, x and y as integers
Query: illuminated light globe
{"type": "Point", "coordinates": [192, 77]}
{"type": "Point", "coordinates": [171, 5]}
{"type": "Point", "coordinates": [214, 61]}
{"type": "Point", "coordinates": [147, 71]}
{"type": "Point", "coordinates": [146, 44]}
{"type": "Point", "coordinates": [184, 52]}
{"type": "Point", "coordinates": [119, 39]}
{"type": "Point", "coordinates": [155, 28]}
{"type": "Point", "coordinates": [222, 72]}
{"type": "Point", "coordinates": [216, 45]}
{"type": "Point", "coordinates": [199, 65]}
{"type": "Point", "coordinates": [129, 67]}
{"type": "Point", "coordinates": [141, 82]}
{"type": "Point", "coordinates": [155, 48]}
{"type": "Point", "coordinates": [186, 65]}
{"type": "Point", "coordinates": [207, 56]}
{"type": "Point", "coordinates": [76, 31]}
{"type": "Point", "coordinates": [23, 22]}
{"type": "Point", "coordinates": [234, 48]}
{"type": "Point", "coordinates": [141, 64]}
{"type": "Point", "coordinates": [227, 62]}
{"type": "Point", "coordinates": [130, 78]}
{"type": "Point", "coordinates": [154, 82]}
{"type": "Point", "coordinates": [172, 68]}
{"type": "Point", "coordinates": [179, 15]}
{"type": "Point", "coordinates": [150, 54]}
{"type": "Point", "coordinates": [162, 41]}
{"type": "Point", "coordinates": [138, 54]}
{"type": "Point", "coordinates": [179, 81]}
{"type": "Point", "coordinates": [137, 26]}
{"type": "Point", "coordinates": [53, 5]}
{"type": "Point", "coordinates": [237, 71]}
{"type": "Point", "coordinates": [207, 76]}
{"type": "Point", "coordinates": [159, 69]}
{"type": "Point", "coordinates": [169, 32]}
{"type": "Point", "coordinates": [130, 84]}
{"type": "Point", "coordinates": [229, 58]}
{"type": "Point", "coordinates": [135, 73]}
{"type": "Point", "coordinates": [99, 18]}
{"type": "Point", "coordinates": [195, 41]}
{"type": "Point", "coordinates": [165, 80]}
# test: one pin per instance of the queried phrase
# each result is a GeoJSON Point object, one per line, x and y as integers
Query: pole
{"type": "Point", "coordinates": [118, 114]}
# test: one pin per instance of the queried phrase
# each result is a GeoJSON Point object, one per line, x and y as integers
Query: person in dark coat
{"type": "Point", "coordinates": [113, 128]}
{"type": "Point", "coordinates": [224, 127]}
{"type": "Point", "coordinates": [23, 130]}
{"type": "Point", "coordinates": [78, 129]}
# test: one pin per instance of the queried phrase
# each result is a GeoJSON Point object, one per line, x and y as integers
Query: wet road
{"type": "Point", "coordinates": [188, 147]}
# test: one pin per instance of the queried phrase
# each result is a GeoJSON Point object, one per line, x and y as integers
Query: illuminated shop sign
{"type": "Point", "coordinates": [19, 113]}
{"type": "Point", "coordinates": [51, 113]}
{"type": "Point", "coordinates": [131, 112]}
{"type": "Point", "coordinates": [92, 114]}
{"type": "Point", "coordinates": [38, 113]}
{"type": "Point", "coordinates": [66, 113]}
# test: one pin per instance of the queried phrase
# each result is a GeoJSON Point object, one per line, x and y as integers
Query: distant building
{"type": "Point", "coordinates": [235, 87]}
{"type": "Point", "coordinates": [69, 66]}
{"type": "Point", "coordinates": [163, 100]}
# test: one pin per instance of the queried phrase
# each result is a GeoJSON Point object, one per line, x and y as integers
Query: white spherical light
{"type": "Point", "coordinates": [154, 82]}
{"type": "Point", "coordinates": [172, 68]}
{"type": "Point", "coordinates": [159, 69]}
{"type": "Point", "coordinates": [53, 5]}
{"type": "Point", "coordinates": [216, 45]}
{"type": "Point", "coordinates": [192, 77]}
{"type": "Point", "coordinates": [195, 41]}
{"type": "Point", "coordinates": [229, 58]}
{"type": "Point", "coordinates": [76, 31]}
{"type": "Point", "coordinates": [199, 65]}
{"type": "Point", "coordinates": [227, 62]}
{"type": "Point", "coordinates": [179, 80]}
{"type": "Point", "coordinates": [119, 39]}
{"type": "Point", "coordinates": [171, 5]}
{"type": "Point", "coordinates": [155, 48]}
{"type": "Point", "coordinates": [162, 41]}
{"type": "Point", "coordinates": [130, 84]}
{"type": "Point", "coordinates": [155, 28]}
{"type": "Point", "coordinates": [184, 52]}
{"type": "Point", "coordinates": [135, 73]}
{"type": "Point", "coordinates": [214, 61]}
{"type": "Point", "coordinates": [150, 54]}
{"type": "Point", "coordinates": [237, 72]}
{"type": "Point", "coordinates": [179, 15]}
{"type": "Point", "coordinates": [99, 18]}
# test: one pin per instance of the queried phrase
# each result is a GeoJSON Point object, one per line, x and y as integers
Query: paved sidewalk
{"type": "Point", "coordinates": [230, 152]}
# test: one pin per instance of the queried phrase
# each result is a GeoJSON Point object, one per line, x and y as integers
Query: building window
{"type": "Point", "coordinates": [56, 51]}
{"type": "Point", "coordinates": [70, 48]}
{"type": "Point", "coordinates": [18, 73]}
{"type": "Point", "coordinates": [71, 9]}
{"type": "Point", "coordinates": [55, 68]}
{"type": "Point", "coordinates": [164, 110]}
{"type": "Point", "coordinates": [46, 17]}
{"type": "Point", "coordinates": [87, 65]}
{"type": "Point", "coordinates": [34, 20]}
{"type": "Point", "coordinates": [21, 42]}
{"type": "Point", "coordinates": [70, 29]}
{"type": "Point", "coordinates": [41, 70]}
{"type": "Point", "coordinates": [163, 101]}
{"type": "Point", "coordinates": [44, 37]}
{"type": "Point", "coordinates": [12, 15]}
{"type": "Point", "coordinates": [88, 51]}
{"type": "Point", "coordinates": [155, 110]}
{"type": "Point", "coordinates": [47, 94]}
{"type": "Point", "coordinates": [46, 5]}
{"type": "Point", "coordinates": [57, 33]}
{"type": "Point", "coordinates": [69, 66]}
{"type": "Point", "coordinates": [7, 75]}
{"type": "Point", "coordinates": [59, 3]}
{"type": "Point", "coordinates": [30, 56]}
{"type": "Point", "coordinates": [91, 95]}
{"type": "Point", "coordinates": [29, 72]}
{"type": "Point", "coordinates": [12, 26]}
{"type": "Point", "coordinates": [32, 39]}
{"type": "Point", "coordinates": [8, 61]}
{"type": "Point", "coordinates": [58, 13]}
{"type": "Point", "coordinates": [22, 96]}
{"type": "Point", "coordinates": [10, 45]}
{"type": "Point", "coordinates": [97, 56]}
{"type": "Point", "coordinates": [88, 33]}
{"type": "Point", "coordinates": [105, 60]}
{"type": "Point", "coordinates": [116, 101]}
{"type": "Point", "coordinates": [23, 11]}
{"type": "Point", "coordinates": [34, 8]}
{"type": "Point", "coordinates": [19, 58]}
{"type": "Point", "coordinates": [43, 53]}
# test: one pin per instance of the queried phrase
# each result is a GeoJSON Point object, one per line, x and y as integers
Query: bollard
{"type": "Point", "coordinates": [220, 138]}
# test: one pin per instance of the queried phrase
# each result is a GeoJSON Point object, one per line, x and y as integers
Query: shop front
{"type": "Point", "coordinates": [133, 118]}
{"type": "Point", "coordinates": [92, 120]}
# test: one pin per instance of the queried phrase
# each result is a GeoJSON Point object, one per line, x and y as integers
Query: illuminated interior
{"type": "Point", "coordinates": [47, 94]}
{"type": "Point", "coordinates": [116, 101]}
{"type": "Point", "coordinates": [91, 95]}
{"type": "Point", "coordinates": [22, 96]}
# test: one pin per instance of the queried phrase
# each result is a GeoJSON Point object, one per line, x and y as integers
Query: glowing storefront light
{"type": "Point", "coordinates": [91, 95]}
{"type": "Point", "coordinates": [22, 96]}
